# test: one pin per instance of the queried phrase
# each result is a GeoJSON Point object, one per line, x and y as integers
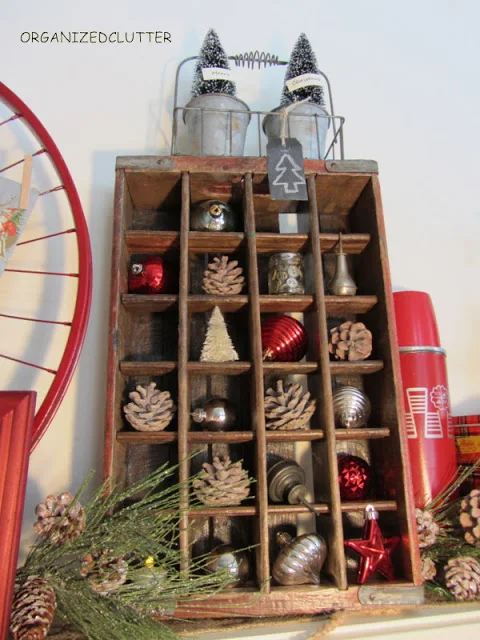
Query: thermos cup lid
{"type": "Point", "coordinates": [415, 318]}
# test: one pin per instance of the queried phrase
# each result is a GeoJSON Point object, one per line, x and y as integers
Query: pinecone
{"type": "Point", "coordinates": [223, 277]}
{"type": "Point", "coordinates": [288, 407]}
{"type": "Point", "coordinates": [429, 570]}
{"type": "Point", "coordinates": [427, 529]}
{"type": "Point", "coordinates": [104, 572]}
{"type": "Point", "coordinates": [350, 341]}
{"type": "Point", "coordinates": [150, 409]}
{"type": "Point", "coordinates": [58, 520]}
{"type": "Point", "coordinates": [470, 517]}
{"type": "Point", "coordinates": [33, 608]}
{"type": "Point", "coordinates": [222, 483]}
{"type": "Point", "coordinates": [462, 577]}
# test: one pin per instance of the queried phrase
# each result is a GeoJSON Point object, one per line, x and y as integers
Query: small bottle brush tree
{"type": "Point", "coordinates": [218, 346]}
{"type": "Point", "coordinates": [211, 54]}
{"type": "Point", "coordinates": [302, 60]}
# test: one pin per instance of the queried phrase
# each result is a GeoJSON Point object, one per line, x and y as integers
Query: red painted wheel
{"type": "Point", "coordinates": [46, 288]}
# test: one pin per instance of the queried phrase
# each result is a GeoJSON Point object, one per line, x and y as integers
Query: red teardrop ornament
{"type": "Point", "coordinates": [354, 477]}
{"type": "Point", "coordinates": [284, 339]}
{"type": "Point", "coordinates": [148, 275]}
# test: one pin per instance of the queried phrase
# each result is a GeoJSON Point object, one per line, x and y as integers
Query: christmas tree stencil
{"type": "Point", "coordinates": [211, 55]}
{"type": "Point", "coordinates": [288, 174]}
{"type": "Point", "coordinates": [302, 60]}
{"type": "Point", "coordinates": [218, 346]}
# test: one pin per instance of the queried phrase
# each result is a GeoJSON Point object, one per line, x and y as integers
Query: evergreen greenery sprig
{"type": "Point", "coordinates": [139, 522]}
{"type": "Point", "coordinates": [450, 543]}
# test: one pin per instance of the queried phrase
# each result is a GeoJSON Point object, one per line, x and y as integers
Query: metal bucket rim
{"type": "Point", "coordinates": [222, 95]}
{"type": "Point", "coordinates": [280, 107]}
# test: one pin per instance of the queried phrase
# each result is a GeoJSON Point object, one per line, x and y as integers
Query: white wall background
{"type": "Point", "coordinates": [405, 75]}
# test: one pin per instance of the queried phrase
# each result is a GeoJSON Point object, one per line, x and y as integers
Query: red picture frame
{"type": "Point", "coordinates": [17, 409]}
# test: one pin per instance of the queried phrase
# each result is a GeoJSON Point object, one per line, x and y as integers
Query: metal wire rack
{"type": "Point", "coordinates": [335, 141]}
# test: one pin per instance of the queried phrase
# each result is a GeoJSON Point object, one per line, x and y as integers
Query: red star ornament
{"type": "Point", "coordinates": [374, 549]}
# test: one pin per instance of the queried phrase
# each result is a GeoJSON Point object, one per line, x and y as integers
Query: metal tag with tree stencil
{"type": "Point", "coordinates": [286, 177]}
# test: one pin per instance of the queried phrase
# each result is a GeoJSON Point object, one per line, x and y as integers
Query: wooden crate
{"type": "Point", "coordinates": [159, 338]}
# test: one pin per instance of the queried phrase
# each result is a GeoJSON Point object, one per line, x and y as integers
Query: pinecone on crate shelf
{"type": "Point", "coordinates": [33, 608]}
{"type": "Point", "coordinates": [350, 341]}
{"type": "Point", "coordinates": [222, 483]}
{"type": "Point", "coordinates": [427, 528]}
{"type": "Point", "coordinates": [288, 407]}
{"type": "Point", "coordinates": [462, 577]}
{"type": "Point", "coordinates": [470, 517]}
{"type": "Point", "coordinates": [150, 409]}
{"type": "Point", "coordinates": [223, 277]}
{"type": "Point", "coordinates": [429, 570]}
{"type": "Point", "coordinates": [59, 520]}
{"type": "Point", "coordinates": [104, 572]}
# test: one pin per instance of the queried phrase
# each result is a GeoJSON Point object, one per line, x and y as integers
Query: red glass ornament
{"type": "Point", "coordinates": [354, 477]}
{"type": "Point", "coordinates": [374, 549]}
{"type": "Point", "coordinates": [148, 275]}
{"type": "Point", "coordinates": [284, 339]}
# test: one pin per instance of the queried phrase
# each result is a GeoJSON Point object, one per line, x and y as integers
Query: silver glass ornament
{"type": "Point", "coordinates": [286, 274]}
{"type": "Point", "coordinates": [227, 557]}
{"type": "Point", "coordinates": [216, 414]}
{"type": "Point", "coordinates": [351, 407]}
{"type": "Point", "coordinates": [212, 215]}
{"type": "Point", "coordinates": [342, 283]}
{"type": "Point", "coordinates": [300, 560]}
{"type": "Point", "coordinates": [286, 483]}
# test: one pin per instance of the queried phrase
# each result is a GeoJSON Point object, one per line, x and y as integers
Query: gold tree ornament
{"type": "Point", "coordinates": [350, 341]}
{"type": "Point", "coordinates": [150, 409]}
{"type": "Point", "coordinates": [222, 483]}
{"type": "Point", "coordinates": [59, 519]}
{"type": "Point", "coordinates": [33, 608]}
{"type": "Point", "coordinates": [288, 407]}
{"type": "Point", "coordinates": [223, 277]}
{"type": "Point", "coordinates": [218, 346]}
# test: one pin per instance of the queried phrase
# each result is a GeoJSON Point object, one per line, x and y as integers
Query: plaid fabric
{"type": "Point", "coordinates": [466, 430]}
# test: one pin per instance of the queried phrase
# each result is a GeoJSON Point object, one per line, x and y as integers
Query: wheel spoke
{"type": "Point", "coordinates": [6, 315]}
{"type": "Point", "coordinates": [14, 164]}
{"type": "Point", "coordinates": [14, 117]}
{"type": "Point", "coordinates": [28, 364]}
{"type": "Point", "coordinates": [44, 273]}
{"type": "Point", "coordinates": [51, 235]}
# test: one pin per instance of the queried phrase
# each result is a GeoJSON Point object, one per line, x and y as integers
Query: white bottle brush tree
{"type": "Point", "coordinates": [218, 346]}
{"type": "Point", "coordinates": [302, 60]}
{"type": "Point", "coordinates": [211, 55]}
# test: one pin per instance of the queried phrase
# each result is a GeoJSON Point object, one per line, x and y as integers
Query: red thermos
{"type": "Point", "coordinates": [428, 420]}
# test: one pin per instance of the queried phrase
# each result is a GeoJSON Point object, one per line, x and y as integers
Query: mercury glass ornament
{"type": "Point", "coordinates": [216, 414]}
{"type": "Point", "coordinates": [300, 560]}
{"type": "Point", "coordinates": [285, 274]}
{"type": "Point", "coordinates": [227, 557]}
{"type": "Point", "coordinates": [212, 215]}
{"type": "Point", "coordinates": [351, 407]}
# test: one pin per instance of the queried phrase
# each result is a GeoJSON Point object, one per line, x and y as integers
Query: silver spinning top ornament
{"type": "Point", "coordinates": [300, 560]}
{"type": "Point", "coordinates": [212, 215]}
{"type": "Point", "coordinates": [351, 407]}
{"type": "Point", "coordinates": [342, 283]}
{"type": "Point", "coordinates": [216, 414]}
{"type": "Point", "coordinates": [237, 563]}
